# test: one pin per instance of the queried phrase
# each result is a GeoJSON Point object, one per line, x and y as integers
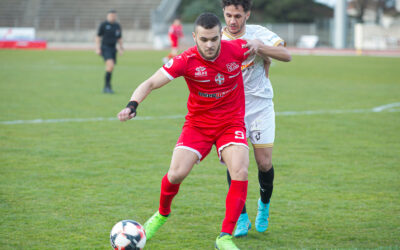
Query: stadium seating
{"type": "Point", "coordinates": [74, 15]}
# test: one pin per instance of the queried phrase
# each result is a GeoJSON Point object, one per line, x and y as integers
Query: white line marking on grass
{"type": "Point", "coordinates": [385, 107]}
{"type": "Point", "coordinates": [95, 119]}
{"type": "Point", "coordinates": [392, 107]}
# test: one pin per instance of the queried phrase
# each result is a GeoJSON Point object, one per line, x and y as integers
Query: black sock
{"type": "Point", "coordinates": [266, 180]}
{"type": "Point", "coordinates": [228, 177]}
{"type": "Point", "coordinates": [108, 80]}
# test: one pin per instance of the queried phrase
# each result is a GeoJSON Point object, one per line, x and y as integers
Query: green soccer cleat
{"type": "Point", "coordinates": [153, 224]}
{"type": "Point", "coordinates": [225, 243]}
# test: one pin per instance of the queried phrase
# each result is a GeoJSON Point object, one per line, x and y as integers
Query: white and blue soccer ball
{"type": "Point", "coordinates": [128, 235]}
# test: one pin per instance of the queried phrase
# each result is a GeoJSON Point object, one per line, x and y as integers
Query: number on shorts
{"type": "Point", "coordinates": [239, 135]}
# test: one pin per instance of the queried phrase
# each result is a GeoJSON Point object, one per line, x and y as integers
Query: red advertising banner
{"type": "Point", "coordinates": [7, 44]}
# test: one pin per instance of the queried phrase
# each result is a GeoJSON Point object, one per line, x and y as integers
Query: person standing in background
{"type": "Point", "coordinates": [108, 35]}
{"type": "Point", "coordinates": [174, 33]}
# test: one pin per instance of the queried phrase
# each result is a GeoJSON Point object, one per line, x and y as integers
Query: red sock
{"type": "Point", "coordinates": [234, 204]}
{"type": "Point", "coordinates": [168, 192]}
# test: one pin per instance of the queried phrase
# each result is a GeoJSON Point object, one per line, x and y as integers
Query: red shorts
{"type": "Point", "coordinates": [174, 41]}
{"type": "Point", "coordinates": [200, 143]}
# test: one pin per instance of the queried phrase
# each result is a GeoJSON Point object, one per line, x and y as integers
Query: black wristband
{"type": "Point", "coordinates": [132, 105]}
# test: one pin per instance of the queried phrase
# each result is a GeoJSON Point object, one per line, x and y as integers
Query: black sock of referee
{"type": "Point", "coordinates": [108, 80]}
{"type": "Point", "coordinates": [266, 180]}
{"type": "Point", "coordinates": [228, 177]}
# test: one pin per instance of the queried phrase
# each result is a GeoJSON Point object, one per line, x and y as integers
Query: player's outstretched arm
{"type": "Point", "coordinates": [141, 92]}
{"type": "Point", "coordinates": [279, 52]}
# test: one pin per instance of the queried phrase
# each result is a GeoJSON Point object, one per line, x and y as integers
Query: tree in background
{"type": "Point", "coordinates": [189, 10]}
{"type": "Point", "coordinates": [289, 11]}
{"type": "Point", "coordinates": [283, 11]}
{"type": "Point", "coordinates": [379, 6]}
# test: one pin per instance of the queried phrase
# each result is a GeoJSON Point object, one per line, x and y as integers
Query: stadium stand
{"type": "Point", "coordinates": [74, 15]}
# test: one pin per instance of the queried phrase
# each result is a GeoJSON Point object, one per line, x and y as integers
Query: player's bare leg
{"type": "Point", "coordinates": [263, 158]}
{"type": "Point", "coordinates": [109, 69]}
{"type": "Point", "coordinates": [182, 163]}
{"type": "Point", "coordinates": [236, 158]}
{"type": "Point", "coordinates": [172, 54]}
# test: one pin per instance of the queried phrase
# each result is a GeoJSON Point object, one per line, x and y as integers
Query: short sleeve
{"type": "Point", "coordinates": [241, 49]}
{"type": "Point", "coordinates": [268, 37]}
{"type": "Point", "coordinates": [100, 31]}
{"type": "Point", "coordinates": [175, 67]}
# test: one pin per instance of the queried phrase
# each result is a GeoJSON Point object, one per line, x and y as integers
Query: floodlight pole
{"type": "Point", "coordinates": [339, 41]}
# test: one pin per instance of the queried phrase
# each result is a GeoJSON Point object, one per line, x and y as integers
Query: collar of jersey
{"type": "Point", "coordinates": [230, 36]}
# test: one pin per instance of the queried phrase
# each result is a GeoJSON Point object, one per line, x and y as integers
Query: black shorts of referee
{"type": "Point", "coordinates": [109, 52]}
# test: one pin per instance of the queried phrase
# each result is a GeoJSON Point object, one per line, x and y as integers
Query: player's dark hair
{"type": "Point", "coordinates": [208, 21]}
{"type": "Point", "coordinates": [111, 11]}
{"type": "Point", "coordinates": [246, 4]}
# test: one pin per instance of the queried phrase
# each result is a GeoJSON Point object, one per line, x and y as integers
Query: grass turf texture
{"type": "Point", "coordinates": [64, 185]}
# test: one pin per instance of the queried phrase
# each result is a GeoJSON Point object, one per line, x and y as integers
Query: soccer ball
{"type": "Point", "coordinates": [127, 235]}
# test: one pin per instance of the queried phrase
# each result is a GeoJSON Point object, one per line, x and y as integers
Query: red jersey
{"type": "Point", "coordinates": [175, 31]}
{"type": "Point", "coordinates": [216, 98]}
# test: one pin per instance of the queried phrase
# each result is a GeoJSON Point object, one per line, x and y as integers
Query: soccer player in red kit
{"type": "Point", "coordinates": [216, 107]}
{"type": "Point", "coordinates": [174, 33]}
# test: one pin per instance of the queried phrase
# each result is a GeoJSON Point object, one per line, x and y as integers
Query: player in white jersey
{"type": "Point", "coordinates": [260, 114]}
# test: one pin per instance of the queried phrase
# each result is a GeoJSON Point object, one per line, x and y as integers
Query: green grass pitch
{"type": "Point", "coordinates": [63, 185]}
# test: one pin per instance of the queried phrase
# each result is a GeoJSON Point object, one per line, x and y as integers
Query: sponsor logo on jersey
{"type": "Point", "coordinates": [245, 66]}
{"type": "Point", "coordinates": [218, 94]}
{"type": "Point", "coordinates": [169, 63]}
{"type": "Point", "coordinates": [219, 79]}
{"type": "Point", "coordinates": [232, 66]}
{"type": "Point", "coordinates": [200, 71]}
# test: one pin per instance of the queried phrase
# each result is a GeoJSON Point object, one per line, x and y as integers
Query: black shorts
{"type": "Point", "coordinates": [109, 52]}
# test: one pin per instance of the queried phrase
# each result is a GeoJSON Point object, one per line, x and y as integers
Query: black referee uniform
{"type": "Point", "coordinates": [110, 33]}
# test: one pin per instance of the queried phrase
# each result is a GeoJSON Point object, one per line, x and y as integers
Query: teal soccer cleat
{"type": "Point", "coordinates": [243, 225]}
{"type": "Point", "coordinates": [262, 216]}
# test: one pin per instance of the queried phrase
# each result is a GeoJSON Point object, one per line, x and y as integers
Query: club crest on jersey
{"type": "Point", "coordinates": [169, 63]}
{"type": "Point", "coordinates": [232, 66]}
{"type": "Point", "coordinates": [200, 71]}
{"type": "Point", "coordinates": [219, 79]}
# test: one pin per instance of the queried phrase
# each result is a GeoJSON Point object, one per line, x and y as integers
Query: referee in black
{"type": "Point", "coordinates": [108, 35]}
